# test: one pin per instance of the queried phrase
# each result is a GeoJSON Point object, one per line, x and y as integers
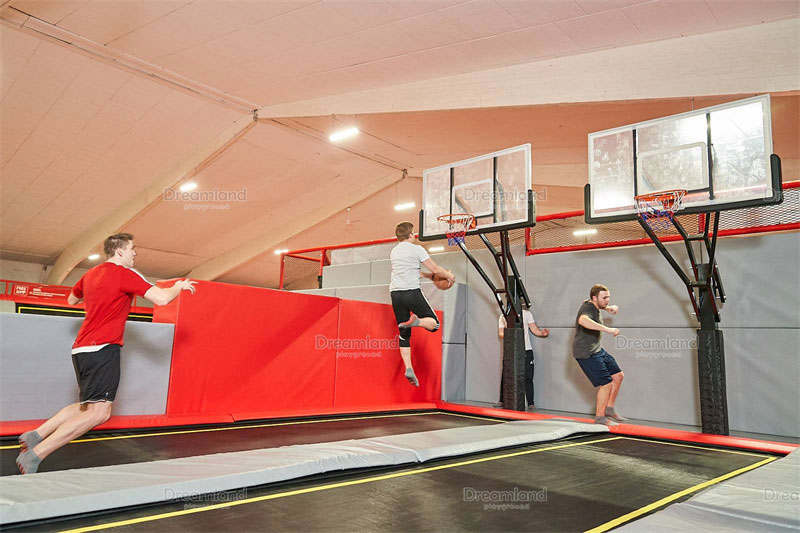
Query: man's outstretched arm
{"type": "Point", "coordinates": [163, 296]}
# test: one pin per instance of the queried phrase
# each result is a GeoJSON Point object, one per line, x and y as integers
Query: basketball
{"type": "Point", "coordinates": [441, 282]}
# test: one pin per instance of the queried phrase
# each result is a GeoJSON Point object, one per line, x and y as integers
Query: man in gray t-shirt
{"type": "Point", "coordinates": [598, 365]}
{"type": "Point", "coordinates": [411, 308]}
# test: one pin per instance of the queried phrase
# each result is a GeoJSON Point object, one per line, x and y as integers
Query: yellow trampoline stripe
{"type": "Point", "coordinates": [645, 439]}
{"type": "Point", "coordinates": [254, 426]}
{"type": "Point", "coordinates": [318, 488]}
{"type": "Point", "coordinates": [663, 501]}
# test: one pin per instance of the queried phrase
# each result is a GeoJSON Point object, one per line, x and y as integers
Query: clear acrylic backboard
{"type": "Point", "coordinates": [720, 155]}
{"type": "Point", "coordinates": [494, 188]}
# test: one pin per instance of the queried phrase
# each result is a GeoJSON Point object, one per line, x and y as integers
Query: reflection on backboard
{"type": "Point", "coordinates": [720, 155]}
{"type": "Point", "coordinates": [494, 188]}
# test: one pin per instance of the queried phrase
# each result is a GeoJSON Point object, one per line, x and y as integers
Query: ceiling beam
{"type": "Point", "coordinates": [226, 262]}
{"type": "Point", "coordinates": [86, 243]}
{"type": "Point", "coordinates": [753, 59]}
{"type": "Point", "coordinates": [31, 25]}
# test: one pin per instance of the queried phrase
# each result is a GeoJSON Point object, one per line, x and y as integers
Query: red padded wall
{"type": "Point", "coordinates": [379, 377]}
{"type": "Point", "coordinates": [245, 349]}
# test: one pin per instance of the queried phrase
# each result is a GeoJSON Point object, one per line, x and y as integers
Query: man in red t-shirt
{"type": "Point", "coordinates": [107, 291]}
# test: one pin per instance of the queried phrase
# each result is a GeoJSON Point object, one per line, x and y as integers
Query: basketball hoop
{"type": "Point", "coordinates": [658, 208]}
{"type": "Point", "coordinates": [458, 224]}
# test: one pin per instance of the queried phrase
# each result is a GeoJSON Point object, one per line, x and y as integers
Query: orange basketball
{"type": "Point", "coordinates": [441, 282]}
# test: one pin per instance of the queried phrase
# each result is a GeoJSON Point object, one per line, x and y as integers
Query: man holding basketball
{"type": "Point", "coordinates": [411, 308]}
{"type": "Point", "coordinates": [598, 365]}
{"type": "Point", "coordinates": [108, 290]}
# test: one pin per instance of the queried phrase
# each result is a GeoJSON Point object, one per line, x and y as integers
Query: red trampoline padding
{"type": "Point", "coordinates": [638, 431]}
{"type": "Point", "coordinates": [243, 349]}
{"type": "Point", "coordinates": [369, 370]}
{"type": "Point", "coordinates": [17, 427]}
{"type": "Point", "coordinates": [704, 438]}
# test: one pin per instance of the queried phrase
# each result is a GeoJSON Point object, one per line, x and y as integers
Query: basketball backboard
{"type": "Point", "coordinates": [495, 188]}
{"type": "Point", "coordinates": [721, 155]}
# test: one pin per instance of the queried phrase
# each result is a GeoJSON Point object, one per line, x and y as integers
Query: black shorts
{"type": "Point", "coordinates": [98, 373]}
{"type": "Point", "coordinates": [408, 301]}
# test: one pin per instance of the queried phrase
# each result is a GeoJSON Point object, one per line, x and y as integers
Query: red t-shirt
{"type": "Point", "coordinates": [107, 291]}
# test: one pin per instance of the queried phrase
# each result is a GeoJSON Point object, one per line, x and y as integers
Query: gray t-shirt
{"type": "Point", "coordinates": [587, 341]}
{"type": "Point", "coordinates": [406, 258]}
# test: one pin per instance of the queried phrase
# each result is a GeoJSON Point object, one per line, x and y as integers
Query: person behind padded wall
{"type": "Point", "coordinates": [529, 325]}
{"type": "Point", "coordinates": [411, 308]}
{"type": "Point", "coordinates": [107, 290]}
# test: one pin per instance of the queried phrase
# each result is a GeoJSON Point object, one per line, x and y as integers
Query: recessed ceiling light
{"type": "Point", "coordinates": [403, 207]}
{"type": "Point", "coordinates": [581, 232]}
{"type": "Point", "coordinates": [188, 186]}
{"type": "Point", "coordinates": [436, 249]}
{"type": "Point", "coordinates": [94, 257]}
{"type": "Point", "coordinates": [343, 134]}
{"type": "Point", "coordinates": [282, 251]}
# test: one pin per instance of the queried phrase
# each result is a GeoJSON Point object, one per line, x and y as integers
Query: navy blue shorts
{"type": "Point", "coordinates": [599, 367]}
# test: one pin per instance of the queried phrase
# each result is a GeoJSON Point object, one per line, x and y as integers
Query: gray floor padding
{"type": "Point", "coordinates": [765, 499]}
{"type": "Point", "coordinates": [67, 492]}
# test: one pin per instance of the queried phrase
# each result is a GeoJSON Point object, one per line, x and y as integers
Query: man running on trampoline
{"type": "Point", "coordinates": [108, 290]}
{"type": "Point", "coordinates": [598, 365]}
{"type": "Point", "coordinates": [411, 308]}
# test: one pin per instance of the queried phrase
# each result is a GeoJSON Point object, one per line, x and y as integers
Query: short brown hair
{"type": "Point", "coordinates": [404, 230]}
{"type": "Point", "coordinates": [597, 289]}
{"type": "Point", "coordinates": [116, 241]}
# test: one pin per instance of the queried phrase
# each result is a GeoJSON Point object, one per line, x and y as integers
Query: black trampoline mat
{"type": "Point", "coordinates": [574, 485]}
{"type": "Point", "coordinates": [153, 445]}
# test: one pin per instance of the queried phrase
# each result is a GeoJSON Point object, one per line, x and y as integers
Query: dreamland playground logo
{"type": "Point", "coordinates": [212, 200]}
{"type": "Point", "coordinates": [321, 342]}
{"type": "Point", "coordinates": [505, 500]}
{"type": "Point", "coordinates": [510, 197]}
{"type": "Point", "coordinates": [655, 348]}
{"type": "Point", "coordinates": [193, 499]}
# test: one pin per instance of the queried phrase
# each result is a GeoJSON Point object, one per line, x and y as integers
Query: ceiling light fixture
{"type": "Point", "coordinates": [582, 232]}
{"type": "Point", "coordinates": [436, 249]}
{"type": "Point", "coordinates": [403, 207]}
{"type": "Point", "coordinates": [188, 186]}
{"type": "Point", "coordinates": [279, 252]}
{"type": "Point", "coordinates": [343, 134]}
{"type": "Point", "coordinates": [94, 257]}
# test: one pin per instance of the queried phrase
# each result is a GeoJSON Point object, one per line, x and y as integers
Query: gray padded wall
{"type": "Point", "coordinates": [380, 272]}
{"type": "Point", "coordinates": [762, 281]}
{"type": "Point", "coordinates": [37, 378]}
{"type": "Point", "coordinates": [454, 358]}
{"type": "Point", "coordinates": [352, 275]}
{"type": "Point", "coordinates": [484, 349]}
{"type": "Point", "coordinates": [763, 373]}
{"type": "Point", "coordinates": [760, 321]}
{"type": "Point", "coordinates": [760, 277]}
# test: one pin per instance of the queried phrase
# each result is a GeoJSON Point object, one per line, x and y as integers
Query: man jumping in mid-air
{"type": "Point", "coordinates": [108, 290]}
{"type": "Point", "coordinates": [411, 308]}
